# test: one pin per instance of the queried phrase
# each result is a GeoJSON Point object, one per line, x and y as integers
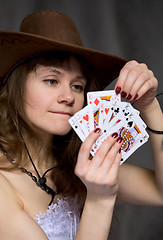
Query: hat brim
{"type": "Point", "coordinates": [17, 46]}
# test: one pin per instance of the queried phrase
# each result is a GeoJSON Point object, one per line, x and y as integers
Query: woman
{"type": "Point", "coordinates": [46, 73]}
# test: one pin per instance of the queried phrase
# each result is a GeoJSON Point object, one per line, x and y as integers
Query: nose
{"type": "Point", "coordinates": [66, 96]}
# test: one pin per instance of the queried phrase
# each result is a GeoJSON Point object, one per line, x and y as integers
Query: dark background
{"type": "Point", "coordinates": [127, 28]}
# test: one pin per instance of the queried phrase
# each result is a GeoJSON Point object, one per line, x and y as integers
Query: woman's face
{"type": "Point", "coordinates": [53, 94]}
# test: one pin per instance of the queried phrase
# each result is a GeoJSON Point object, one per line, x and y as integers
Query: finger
{"type": "Point", "coordinates": [123, 75]}
{"type": "Point", "coordinates": [103, 151]}
{"type": "Point", "coordinates": [138, 84]}
{"type": "Point", "coordinates": [110, 177]}
{"type": "Point", "coordinates": [113, 171]}
{"type": "Point", "coordinates": [84, 152]}
{"type": "Point", "coordinates": [111, 156]}
{"type": "Point", "coordinates": [137, 75]}
{"type": "Point", "coordinates": [144, 89]}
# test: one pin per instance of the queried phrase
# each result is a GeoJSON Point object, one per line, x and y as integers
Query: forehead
{"type": "Point", "coordinates": [71, 64]}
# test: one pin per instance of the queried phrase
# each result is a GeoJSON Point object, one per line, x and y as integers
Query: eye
{"type": "Point", "coordinates": [51, 81]}
{"type": "Point", "coordinates": [78, 88]}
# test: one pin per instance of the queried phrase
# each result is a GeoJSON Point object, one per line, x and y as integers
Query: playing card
{"type": "Point", "coordinates": [75, 125]}
{"type": "Point", "coordinates": [129, 112]}
{"type": "Point", "coordinates": [133, 134]}
{"type": "Point", "coordinates": [116, 112]}
{"type": "Point", "coordinates": [94, 113]}
{"type": "Point", "coordinates": [94, 100]}
{"type": "Point", "coordinates": [103, 112]}
{"type": "Point", "coordinates": [103, 137]}
{"type": "Point", "coordinates": [82, 118]}
{"type": "Point", "coordinates": [113, 117]}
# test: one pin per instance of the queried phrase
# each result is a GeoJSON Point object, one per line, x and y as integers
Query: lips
{"type": "Point", "coordinates": [62, 113]}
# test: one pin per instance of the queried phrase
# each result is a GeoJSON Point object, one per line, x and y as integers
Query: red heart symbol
{"type": "Point", "coordinates": [85, 117]}
{"type": "Point", "coordinates": [106, 110]}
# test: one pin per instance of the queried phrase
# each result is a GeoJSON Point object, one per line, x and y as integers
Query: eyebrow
{"type": "Point", "coordinates": [80, 77]}
{"type": "Point", "coordinates": [50, 69]}
{"type": "Point", "coordinates": [56, 71]}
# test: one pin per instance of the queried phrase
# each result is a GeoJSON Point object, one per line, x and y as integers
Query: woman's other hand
{"type": "Point", "coordinates": [99, 174]}
{"type": "Point", "coordinates": [136, 82]}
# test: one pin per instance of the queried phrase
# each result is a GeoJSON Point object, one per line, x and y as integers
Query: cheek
{"type": "Point", "coordinates": [79, 103]}
{"type": "Point", "coordinates": [34, 101]}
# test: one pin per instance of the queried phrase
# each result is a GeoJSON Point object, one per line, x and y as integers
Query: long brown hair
{"type": "Point", "coordinates": [13, 119]}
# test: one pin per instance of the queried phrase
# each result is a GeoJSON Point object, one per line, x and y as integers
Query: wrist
{"type": "Point", "coordinates": [99, 209]}
{"type": "Point", "coordinates": [153, 116]}
{"type": "Point", "coordinates": [96, 218]}
{"type": "Point", "coordinates": [150, 107]}
{"type": "Point", "coordinates": [101, 202]}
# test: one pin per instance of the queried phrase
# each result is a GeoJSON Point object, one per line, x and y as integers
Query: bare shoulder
{"type": "Point", "coordinates": [15, 223]}
{"type": "Point", "coordinates": [8, 194]}
{"type": "Point", "coordinates": [10, 204]}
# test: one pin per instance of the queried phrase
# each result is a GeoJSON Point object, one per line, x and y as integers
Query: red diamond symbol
{"type": "Point", "coordinates": [96, 101]}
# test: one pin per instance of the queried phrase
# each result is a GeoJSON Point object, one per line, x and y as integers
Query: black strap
{"type": "Point", "coordinates": [41, 182]}
{"type": "Point", "coordinates": [154, 131]}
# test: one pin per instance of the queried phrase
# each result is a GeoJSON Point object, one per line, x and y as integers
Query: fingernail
{"type": "Point", "coordinates": [123, 94]}
{"type": "Point", "coordinates": [129, 97]}
{"type": "Point", "coordinates": [136, 96]}
{"type": "Point", "coordinates": [117, 90]}
{"type": "Point", "coordinates": [97, 130]}
{"type": "Point", "coordinates": [120, 139]}
{"type": "Point", "coordinates": [120, 150]}
{"type": "Point", "coordinates": [114, 135]}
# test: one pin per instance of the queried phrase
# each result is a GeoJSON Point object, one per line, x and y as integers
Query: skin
{"type": "Point", "coordinates": [102, 176]}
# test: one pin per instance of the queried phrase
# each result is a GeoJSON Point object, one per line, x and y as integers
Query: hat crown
{"type": "Point", "coordinates": [52, 25]}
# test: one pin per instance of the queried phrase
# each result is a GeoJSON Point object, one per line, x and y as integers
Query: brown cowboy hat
{"type": "Point", "coordinates": [46, 31]}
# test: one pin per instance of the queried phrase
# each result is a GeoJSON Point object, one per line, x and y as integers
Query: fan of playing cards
{"type": "Point", "coordinates": [106, 111]}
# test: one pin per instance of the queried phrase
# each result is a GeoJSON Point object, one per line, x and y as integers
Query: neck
{"type": "Point", "coordinates": [41, 155]}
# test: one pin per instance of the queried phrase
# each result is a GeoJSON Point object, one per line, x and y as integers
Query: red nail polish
{"type": "Point", "coordinates": [120, 139]}
{"type": "Point", "coordinates": [136, 96]}
{"type": "Point", "coordinates": [129, 97]}
{"type": "Point", "coordinates": [97, 130]}
{"type": "Point", "coordinates": [119, 150]}
{"type": "Point", "coordinates": [123, 94]}
{"type": "Point", "coordinates": [117, 90]}
{"type": "Point", "coordinates": [114, 135]}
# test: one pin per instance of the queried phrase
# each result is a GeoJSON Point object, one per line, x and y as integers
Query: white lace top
{"type": "Point", "coordinates": [61, 220]}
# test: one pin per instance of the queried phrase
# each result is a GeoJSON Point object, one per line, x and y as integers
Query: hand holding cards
{"type": "Point", "coordinates": [106, 111]}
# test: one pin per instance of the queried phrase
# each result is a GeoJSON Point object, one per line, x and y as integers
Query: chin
{"type": "Point", "coordinates": [61, 131]}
